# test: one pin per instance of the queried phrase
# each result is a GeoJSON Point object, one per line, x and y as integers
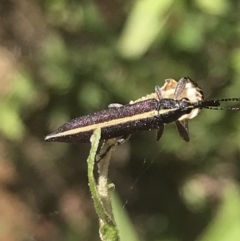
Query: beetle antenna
{"type": "Point", "coordinates": [214, 104]}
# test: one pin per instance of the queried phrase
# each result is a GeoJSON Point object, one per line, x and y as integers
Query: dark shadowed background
{"type": "Point", "coordinates": [61, 59]}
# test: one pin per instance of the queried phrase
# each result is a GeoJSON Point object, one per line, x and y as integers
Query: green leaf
{"type": "Point", "coordinates": [144, 23]}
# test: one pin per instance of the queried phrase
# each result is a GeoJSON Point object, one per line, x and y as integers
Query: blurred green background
{"type": "Point", "coordinates": [61, 59]}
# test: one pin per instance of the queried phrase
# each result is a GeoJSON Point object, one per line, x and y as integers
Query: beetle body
{"type": "Point", "coordinates": [144, 115]}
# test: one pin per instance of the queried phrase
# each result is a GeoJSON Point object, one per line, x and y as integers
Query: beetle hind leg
{"type": "Point", "coordinates": [160, 132]}
{"type": "Point", "coordinates": [110, 146]}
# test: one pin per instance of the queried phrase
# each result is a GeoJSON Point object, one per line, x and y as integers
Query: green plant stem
{"type": "Point", "coordinates": [101, 192]}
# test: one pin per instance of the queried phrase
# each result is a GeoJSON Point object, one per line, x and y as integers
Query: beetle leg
{"type": "Point", "coordinates": [117, 142]}
{"type": "Point", "coordinates": [180, 87]}
{"type": "Point", "coordinates": [160, 132]}
{"type": "Point", "coordinates": [182, 127]}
